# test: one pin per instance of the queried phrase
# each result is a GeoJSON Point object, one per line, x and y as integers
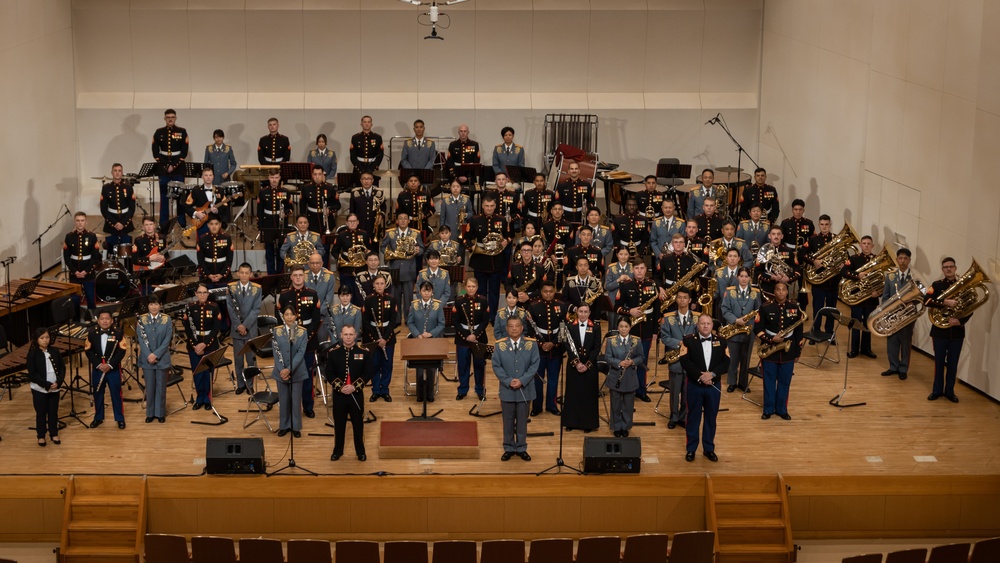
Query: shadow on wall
{"type": "Point", "coordinates": [30, 230]}
{"type": "Point", "coordinates": [128, 146]}
{"type": "Point", "coordinates": [234, 138]}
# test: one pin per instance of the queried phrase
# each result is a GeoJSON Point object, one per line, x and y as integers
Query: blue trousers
{"type": "Point", "coordinates": [165, 202]}
{"type": "Point", "coordinates": [89, 292]}
{"type": "Point", "coordinates": [308, 401]}
{"type": "Point", "coordinates": [112, 380]}
{"type": "Point", "coordinates": [549, 369]}
{"type": "Point", "coordinates": [464, 357]}
{"type": "Point", "coordinates": [275, 265]}
{"type": "Point", "coordinates": [383, 369]}
{"type": "Point", "coordinates": [113, 240]}
{"type": "Point", "coordinates": [701, 398]}
{"type": "Point", "coordinates": [489, 287]}
{"type": "Point", "coordinates": [862, 341]}
{"type": "Point", "coordinates": [777, 380]}
{"type": "Point", "coordinates": [946, 354]}
{"type": "Point", "coordinates": [640, 370]}
{"type": "Point", "coordinates": [202, 379]}
{"type": "Point", "coordinates": [823, 298]}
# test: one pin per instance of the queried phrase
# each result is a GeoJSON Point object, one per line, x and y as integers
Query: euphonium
{"type": "Point", "coordinates": [731, 330]}
{"type": "Point", "coordinates": [969, 290]}
{"type": "Point", "coordinates": [717, 251]}
{"type": "Point", "coordinates": [774, 264]}
{"type": "Point", "coordinates": [854, 292]}
{"type": "Point", "coordinates": [899, 311]}
{"type": "Point", "coordinates": [833, 255]}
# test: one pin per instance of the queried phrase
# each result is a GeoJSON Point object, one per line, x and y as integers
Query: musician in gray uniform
{"type": "Point", "coordinates": [515, 362]}
{"type": "Point", "coordinates": [618, 273]}
{"type": "Point", "coordinates": [324, 158]}
{"type": "Point", "coordinates": [344, 313]}
{"type": "Point", "coordinates": [321, 281]}
{"type": "Point", "coordinates": [754, 230]}
{"type": "Point", "coordinates": [898, 344]}
{"type": "Point", "coordinates": [739, 300]}
{"type": "Point", "coordinates": [418, 152]}
{"type": "Point", "coordinates": [510, 311]}
{"type": "Point", "coordinates": [696, 200]}
{"type": "Point", "coordinates": [425, 320]}
{"type": "Point", "coordinates": [155, 332]}
{"type": "Point", "coordinates": [407, 265]}
{"type": "Point", "coordinates": [451, 207]}
{"type": "Point", "coordinates": [664, 228]}
{"type": "Point", "coordinates": [290, 371]}
{"type": "Point", "coordinates": [507, 153]}
{"type": "Point", "coordinates": [219, 157]}
{"type": "Point", "coordinates": [676, 325]}
{"type": "Point", "coordinates": [437, 276]}
{"type": "Point", "coordinates": [243, 301]}
{"type": "Point", "coordinates": [300, 234]}
{"type": "Point", "coordinates": [624, 353]}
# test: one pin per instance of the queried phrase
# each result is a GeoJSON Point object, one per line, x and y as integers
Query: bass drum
{"type": "Point", "coordinates": [112, 283]}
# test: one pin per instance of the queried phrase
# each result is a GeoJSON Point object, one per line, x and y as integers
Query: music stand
{"type": "Point", "coordinates": [428, 354]}
{"type": "Point", "coordinates": [193, 169]}
{"type": "Point", "coordinates": [209, 362]}
{"type": "Point", "coordinates": [484, 351]}
{"type": "Point", "coordinates": [521, 174]}
{"type": "Point", "coordinates": [851, 324]}
{"type": "Point", "coordinates": [426, 176]}
{"type": "Point", "coordinates": [272, 284]}
{"type": "Point", "coordinates": [474, 173]}
{"type": "Point", "coordinates": [296, 171]}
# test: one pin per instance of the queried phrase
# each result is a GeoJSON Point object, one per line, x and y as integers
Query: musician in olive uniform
{"type": "Point", "coordinates": [650, 200]}
{"type": "Point", "coordinates": [170, 148]}
{"type": "Point", "coordinates": [898, 344]}
{"type": "Point", "coordinates": [418, 152]}
{"type": "Point", "coordinates": [710, 222]}
{"type": "Point", "coordinates": [299, 235]}
{"type": "Point", "coordinates": [117, 208]}
{"type": "Point", "coordinates": [348, 366]}
{"type": "Point", "coordinates": [380, 317]}
{"type": "Point", "coordinates": [515, 362]}
{"type": "Point", "coordinates": [947, 341]}
{"type": "Point", "coordinates": [202, 324]}
{"type": "Point", "coordinates": [306, 303]}
{"type": "Point", "coordinates": [106, 348]}
{"type": "Point", "coordinates": [452, 255]}
{"type": "Point", "coordinates": [861, 342]}
{"type": "Point", "coordinates": [513, 309]}
{"type": "Point", "coordinates": [823, 294]}
{"type": "Point", "coordinates": [507, 153]}
{"type": "Point", "coordinates": [219, 157]}
{"type": "Point", "coordinates": [725, 277]}
{"type": "Point", "coordinates": [272, 204]}
{"type": "Point", "coordinates": [426, 320]}
{"type": "Point", "coordinates": [81, 253]}
{"type": "Point", "coordinates": [675, 327]}
{"type": "Point", "coordinates": [454, 207]}
{"type": "Point", "coordinates": [343, 313]}
{"type": "Point", "coordinates": [639, 300]}
{"type": "Point", "coordinates": [630, 230]}
{"type": "Point", "coordinates": [155, 333]}
{"type": "Point", "coordinates": [707, 189]}
{"type": "Point", "coordinates": [739, 301]}
{"type": "Point", "coordinates": [546, 315]}
{"type": "Point", "coordinates": [623, 353]}
{"type": "Point", "coordinates": [471, 317]}
{"type": "Point", "coordinates": [462, 150]}
{"type": "Point", "coordinates": [575, 194]}
{"type": "Point", "coordinates": [323, 157]}
{"type": "Point", "coordinates": [289, 343]}
{"type": "Point", "coordinates": [437, 276]}
{"type": "Point", "coordinates": [364, 280]}
{"type": "Point", "coordinates": [487, 261]}
{"type": "Point", "coordinates": [602, 236]}
{"type": "Point", "coordinates": [319, 202]}
{"type": "Point", "coordinates": [273, 148]}
{"type": "Point", "coordinates": [754, 229]}
{"type": "Point", "coordinates": [525, 276]}
{"type": "Point", "coordinates": [538, 202]}
{"type": "Point", "coordinates": [704, 365]}
{"type": "Point", "coordinates": [401, 247]}
{"type": "Point", "coordinates": [663, 229]}
{"type": "Point", "coordinates": [215, 255]}
{"type": "Point", "coordinates": [367, 150]}
{"type": "Point", "coordinates": [760, 193]}
{"type": "Point", "coordinates": [368, 203]}
{"type": "Point", "coordinates": [243, 300]}
{"type": "Point", "coordinates": [773, 320]}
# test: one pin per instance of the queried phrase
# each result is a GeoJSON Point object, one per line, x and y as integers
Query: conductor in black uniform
{"type": "Point", "coordinates": [348, 366]}
{"type": "Point", "coordinates": [705, 362]}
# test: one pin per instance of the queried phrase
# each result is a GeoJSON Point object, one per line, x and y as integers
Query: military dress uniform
{"type": "Point", "coordinates": [576, 197]}
{"type": "Point", "coordinates": [201, 199]}
{"type": "Point", "coordinates": [325, 159]}
{"type": "Point", "coordinates": [673, 267]}
{"type": "Point", "coordinates": [345, 240]}
{"type": "Point", "coordinates": [593, 254]}
{"type": "Point", "coordinates": [508, 206]}
{"type": "Point", "coordinates": [725, 277]}
{"type": "Point", "coordinates": [425, 316]}
{"type": "Point", "coordinates": [155, 334]}
{"type": "Point", "coordinates": [380, 317]}
{"type": "Point", "coordinates": [611, 285]}
{"type": "Point", "coordinates": [306, 303]}
{"type": "Point", "coordinates": [500, 321]}
{"type": "Point", "coordinates": [367, 152]}
{"type": "Point", "coordinates": [348, 366]}
{"type": "Point", "coordinates": [462, 152]}
{"type": "Point", "coordinates": [777, 369]}
{"type": "Point", "coordinates": [322, 282]}
{"type": "Point", "coordinates": [636, 294]}
{"type": "Point", "coordinates": [170, 148]}
{"type": "Point", "coordinates": [451, 208]}
{"type": "Point", "coordinates": [766, 196]}
{"type": "Point", "coordinates": [649, 204]}
{"type": "Point", "coordinates": [202, 324]}
{"type": "Point", "coordinates": [368, 205]}
{"type": "Point", "coordinates": [662, 232]}
{"type": "Point", "coordinates": [221, 160]}
{"type": "Point", "coordinates": [765, 282]}
{"type": "Point", "coordinates": [898, 344]}
{"type": "Point", "coordinates": [754, 233]}
{"type": "Point", "coordinates": [106, 347]}
{"type": "Point", "coordinates": [403, 288]}
{"type": "Point", "coordinates": [82, 253]}
{"type": "Point", "coordinates": [746, 258]}
{"type": "Point", "coordinates": [471, 317]}
{"type": "Point", "coordinates": [341, 316]}
{"type": "Point", "coordinates": [439, 279]}
{"type": "Point", "coordinates": [577, 289]}
{"type": "Point", "coordinates": [504, 156]}
{"type": "Point", "coordinates": [603, 239]}
{"type": "Point", "coordinates": [947, 346]}
{"type": "Point", "coordinates": [272, 204]}
{"type": "Point", "coordinates": [705, 353]}
{"type": "Point", "coordinates": [861, 342]}
{"type": "Point", "coordinates": [710, 226]}
{"type": "Point", "coordinates": [489, 270]}
{"type": "Point", "coordinates": [311, 205]}
{"type": "Point", "coordinates": [558, 237]}
{"type": "Point", "coordinates": [521, 273]}
{"type": "Point", "coordinates": [364, 284]}
{"type": "Point", "coordinates": [243, 303]}
{"type": "Point", "coordinates": [296, 237]}
{"type": "Point", "coordinates": [696, 200]}
{"type": "Point", "coordinates": [117, 206]}
{"type": "Point", "coordinates": [547, 316]}
{"type": "Point", "coordinates": [623, 383]}
{"type": "Point", "coordinates": [419, 207]}
{"type": "Point", "coordinates": [143, 247]}
{"type": "Point", "coordinates": [418, 154]}
{"type": "Point", "coordinates": [630, 231]}
{"type": "Point", "coordinates": [796, 232]}
{"type": "Point", "coordinates": [823, 294]}
{"type": "Point", "coordinates": [289, 345]}
{"type": "Point", "coordinates": [537, 204]}
{"type": "Point", "coordinates": [215, 256]}
{"type": "Point", "coordinates": [515, 359]}
{"type": "Point", "coordinates": [738, 302]}
{"type": "Point", "coordinates": [274, 149]}
{"type": "Point", "coordinates": [673, 330]}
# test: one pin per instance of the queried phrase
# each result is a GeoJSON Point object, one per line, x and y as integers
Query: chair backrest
{"type": "Point", "coordinates": [866, 558]}
{"type": "Point", "coordinates": [693, 547]}
{"type": "Point", "coordinates": [212, 549]}
{"type": "Point", "coordinates": [985, 551]}
{"type": "Point", "coordinates": [249, 373]}
{"type": "Point", "coordinates": [502, 551]}
{"type": "Point", "coordinates": [918, 555]}
{"type": "Point", "coordinates": [261, 550]}
{"type": "Point", "coordinates": [661, 176]}
{"type": "Point", "coordinates": [645, 548]}
{"type": "Point", "coordinates": [8, 561]}
{"type": "Point", "coordinates": [309, 551]}
{"type": "Point", "coordinates": [356, 551]}
{"type": "Point", "coordinates": [454, 552]}
{"type": "Point", "coordinates": [949, 553]}
{"type": "Point", "coordinates": [598, 549]}
{"type": "Point", "coordinates": [166, 548]}
{"type": "Point", "coordinates": [406, 552]}
{"type": "Point", "coordinates": [551, 550]}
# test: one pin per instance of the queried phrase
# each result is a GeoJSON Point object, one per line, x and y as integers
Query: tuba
{"type": "Point", "coordinates": [854, 292]}
{"type": "Point", "coordinates": [899, 311]}
{"type": "Point", "coordinates": [969, 290]}
{"type": "Point", "coordinates": [299, 254]}
{"type": "Point", "coordinates": [833, 255]}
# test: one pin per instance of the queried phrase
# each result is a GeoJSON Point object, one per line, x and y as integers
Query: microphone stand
{"type": "Point", "coordinates": [38, 240]}
{"type": "Point", "coordinates": [560, 464]}
{"type": "Point", "coordinates": [721, 122]}
{"type": "Point", "coordinates": [6, 262]}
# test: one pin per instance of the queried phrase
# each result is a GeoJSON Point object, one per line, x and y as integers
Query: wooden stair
{"type": "Point", "coordinates": [104, 520]}
{"type": "Point", "coordinates": [749, 515]}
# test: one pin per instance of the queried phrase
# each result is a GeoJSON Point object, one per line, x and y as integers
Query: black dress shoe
{"type": "Point", "coordinates": [870, 354]}
{"type": "Point", "coordinates": [162, 419]}
{"type": "Point", "coordinates": [506, 456]}
{"type": "Point", "coordinates": [643, 398]}
{"type": "Point", "coordinates": [283, 432]}
{"type": "Point", "coordinates": [460, 396]}
{"type": "Point", "coordinates": [310, 414]}
{"type": "Point", "coordinates": [362, 457]}
{"type": "Point", "coordinates": [121, 425]}
{"type": "Point", "coordinates": [207, 406]}
{"type": "Point", "coordinates": [149, 419]}
{"type": "Point", "coordinates": [96, 423]}
{"type": "Point", "coordinates": [430, 400]}
{"type": "Point", "coordinates": [196, 406]}
{"type": "Point", "coordinates": [889, 372]}
{"type": "Point", "coordinates": [553, 411]}
{"type": "Point", "coordinates": [296, 434]}
{"type": "Point", "coordinates": [241, 390]}
{"type": "Point", "coordinates": [624, 433]}
{"type": "Point", "coordinates": [785, 416]}
{"type": "Point", "coordinates": [931, 397]}
{"type": "Point", "coordinates": [852, 355]}
{"type": "Point", "coordinates": [334, 457]}
{"type": "Point", "coordinates": [689, 456]}
{"type": "Point", "coordinates": [682, 424]}
{"type": "Point", "coordinates": [386, 397]}
{"type": "Point", "coordinates": [765, 416]}
{"type": "Point", "coordinates": [536, 412]}
{"type": "Point", "coordinates": [671, 425]}
{"type": "Point", "coordinates": [902, 376]}
{"type": "Point", "coordinates": [711, 456]}
{"type": "Point", "coordinates": [524, 456]}
{"type": "Point", "coordinates": [373, 398]}
{"type": "Point", "coordinates": [730, 389]}
{"type": "Point", "coordinates": [952, 398]}
{"type": "Point", "coordinates": [618, 433]}
{"type": "Point", "coordinates": [480, 397]}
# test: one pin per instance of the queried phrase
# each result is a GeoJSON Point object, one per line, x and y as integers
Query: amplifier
{"type": "Point", "coordinates": [611, 455]}
{"type": "Point", "coordinates": [234, 456]}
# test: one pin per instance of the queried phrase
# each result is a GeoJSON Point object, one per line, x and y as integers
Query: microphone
{"type": "Point", "coordinates": [714, 120]}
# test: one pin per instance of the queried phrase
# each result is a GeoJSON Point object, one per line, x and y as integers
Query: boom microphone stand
{"type": "Point", "coordinates": [38, 240]}
{"type": "Point", "coordinates": [721, 122]}
{"type": "Point", "coordinates": [560, 464]}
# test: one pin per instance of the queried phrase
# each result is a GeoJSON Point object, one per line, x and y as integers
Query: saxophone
{"type": "Point", "coordinates": [706, 298]}
{"type": "Point", "coordinates": [969, 290]}
{"type": "Point", "coordinates": [730, 330]}
{"type": "Point", "coordinates": [527, 280]}
{"type": "Point", "coordinates": [854, 292]}
{"type": "Point", "coordinates": [899, 311]}
{"type": "Point", "coordinates": [673, 355]}
{"type": "Point", "coordinates": [461, 215]}
{"type": "Point", "coordinates": [684, 281]}
{"type": "Point", "coordinates": [833, 255]}
{"type": "Point", "coordinates": [643, 308]}
{"type": "Point", "coordinates": [588, 299]}
{"type": "Point", "coordinates": [767, 349]}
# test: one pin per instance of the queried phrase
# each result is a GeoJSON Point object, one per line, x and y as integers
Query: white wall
{"type": "Point", "coordinates": [39, 154]}
{"type": "Point", "coordinates": [886, 114]}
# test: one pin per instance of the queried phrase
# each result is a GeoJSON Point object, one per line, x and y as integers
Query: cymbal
{"type": "Point", "coordinates": [231, 185]}
{"type": "Point", "coordinates": [688, 187]}
{"type": "Point", "coordinates": [101, 178]}
{"type": "Point", "coordinates": [731, 178]}
{"type": "Point", "coordinates": [639, 188]}
{"type": "Point", "coordinates": [389, 173]}
{"type": "Point", "coordinates": [728, 169]}
{"type": "Point", "coordinates": [175, 184]}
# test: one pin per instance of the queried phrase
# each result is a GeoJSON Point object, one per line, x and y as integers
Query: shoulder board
{"type": "Point", "coordinates": [635, 340]}
{"type": "Point", "coordinates": [435, 305]}
{"type": "Point", "coordinates": [499, 145]}
{"type": "Point", "coordinates": [209, 147]}
{"type": "Point", "coordinates": [227, 147]}
{"type": "Point", "coordinates": [754, 291]}
{"type": "Point", "coordinates": [502, 345]}
{"type": "Point", "coordinates": [299, 331]}
{"type": "Point", "coordinates": [424, 271]}
{"type": "Point", "coordinates": [165, 319]}
{"type": "Point", "coordinates": [528, 338]}
{"type": "Point", "coordinates": [415, 302]}
{"type": "Point", "coordinates": [438, 301]}
{"type": "Point", "coordinates": [233, 284]}
{"type": "Point", "coordinates": [464, 198]}
{"type": "Point", "coordinates": [312, 152]}
{"type": "Point", "coordinates": [731, 288]}
{"type": "Point", "coordinates": [528, 344]}
{"type": "Point", "coordinates": [891, 275]}
{"type": "Point", "coordinates": [409, 142]}
{"type": "Point", "coordinates": [279, 330]}
{"type": "Point", "coordinates": [392, 230]}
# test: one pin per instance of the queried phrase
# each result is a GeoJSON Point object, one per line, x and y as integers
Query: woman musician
{"type": "Point", "coordinates": [46, 372]}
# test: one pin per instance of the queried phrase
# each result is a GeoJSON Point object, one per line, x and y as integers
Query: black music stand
{"type": "Point", "coordinates": [673, 172]}
{"type": "Point", "coordinates": [851, 324]}
{"type": "Point", "coordinates": [193, 169]}
{"type": "Point", "coordinates": [484, 351]}
{"type": "Point", "coordinates": [273, 284]}
{"type": "Point", "coordinates": [296, 171]}
{"type": "Point", "coordinates": [208, 362]}
{"type": "Point", "coordinates": [521, 175]}
{"type": "Point", "coordinates": [148, 171]}
{"type": "Point", "coordinates": [426, 176]}
{"type": "Point", "coordinates": [347, 181]}
{"type": "Point", "coordinates": [473, 172]}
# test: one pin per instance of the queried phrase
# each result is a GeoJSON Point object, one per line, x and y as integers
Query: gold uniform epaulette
{"type": "Point", "coordinates": [635, 340]}
{"type": "Point", "coordinates": [392, 230]}
{"type": "Point", "coordinates": [530, 339]}
{"type": "Point", "coordinates": [891, 276]}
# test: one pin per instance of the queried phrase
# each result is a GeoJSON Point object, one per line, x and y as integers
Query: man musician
{"type": "Point", "coordinates": [772, 321]}
{"type": "Point", "coordinates": [709, 221]}
{"type": "Point", "coordinates": [204, 200]}
{"type": "Point", "coordinates": [106, 348]}
{"type": "Point", "coordinates": [380, 317]}
{"type": "Point", "coordinates": [558, 234]}
{"type": "Point", "coordinates": [348, 369]}
{"type": "Point", "coordinates": [418, 151]}
{"type": "Point", "coordinates": [319, 202]}
{"type": "Point", "coordinates": [401, 247]}
{"type": "Point", "coordinates": [347, 242]}
{"type": "Point", "coordinates": [488, 264]}
{"type": "Point", "coordinates": [766, 274]}
{"type": "Point", "coordinates": [823, 294]}
{"type": "Point", "coordinates": [462, 150]}
{"type": "Point", "coordinates": [526, 276]}
{"type": "Point", "coordinates": [368, 204]}
{"type": "Point", "coordinates": [707, 189]}
{"type": "Point", "coordinates": [343, 313]}
{"type": "Point", "coordinates": [306, 303]}
{"type": "Point", "coordinates": [202, 325]}
{"type": "Point", "coordinates": [575, 194]}
{"type": "Point", "coordinates": [81, 254]}
{"type": "Point", "coordinates": [663, 229]}
{"type": "Point", "coordinates": [215, 253]}
{"type": "Point", "coordinates": [677, 264]}
{"type": "Point", "coordinates": [426, 320]}
{"type": "Point", "coordinates": [417, 206]}
{"type": "Point", "coordinates": [471, 317]}
{"type": "Point", "coordinates": [364, 280]}
{"type": "Point", "coordinates": [583, 287]}
{"type": "Point", "coordinates": [508, 201]}
{"type": "Point", "coordinates": [243, 300]}
{"type": "Point", "coordinates": [367, 150]}
{"type": "Point", "coordinates": [515, 362]}
{"type": "Point", "coordinates": [947, 340]}
{"type": "Point", "coordinates": [649, 201]}
{"type": "Point", "coordinates": [299, 235]}
{"type": "Point", "coordinates": [630, 230]}
{"type": "Point", "coordinates": [601, 236]}
{"type": "Point", "coordinates": [729, 242]}
{"type": "Point", "coordinates": [273, 148]}
{"type": "Point", "coordinates": [898, 345]}
{"type": "Point", "coordinates": [704, 365]}
{"type": "Point", "coordinates": [149, 250]}
{"type": "Point", "coordinates": [678, 325]}
{"type": "Point", "coordinates": [272, 204]}
{"type": "Point", "coordinates": [861, 341]}
{"type": "Point", "coordinates": [593, 254]}
{"type": "Point", "coordinates": [170, 148]}
{"type": "Point", "coordinates": [760, 193]}
{"type": "Point", "coordinates": [538, 202]}
{"type": "Point", "coordinates": [639, 299]}
{"type": "Point", "coordinates": [796, 230]}
{"type": "Point", "coordinates": [754, 229]}
{"type": "Point", "coordinates": [321, 280]}
{"type": "Point", "coordinates": [547, 314]}
{"type": "Point", "coordinates": [117, 208]}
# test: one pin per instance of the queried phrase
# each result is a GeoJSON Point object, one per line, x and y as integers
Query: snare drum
{"type": "Point", "coordinates": [178, 191]}
{"type": "Point", "coordinates": [112, 283]}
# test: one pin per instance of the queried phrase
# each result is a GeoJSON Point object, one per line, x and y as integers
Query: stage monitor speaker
{"type": "Point", "coordinates": [234, 456]}
{"type": "Point", "coordinates": [611, 455]}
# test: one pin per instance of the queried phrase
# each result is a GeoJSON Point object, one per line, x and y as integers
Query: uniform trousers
{"type": "Point", "coordinates": [861, 342]}
{"type": "Point", "coordinates": [678, 399]}
{"type": "Point", "coordinates": [344, 407]}
{"type": "Point", "coordinates": [622, 406]}
{"type": "Point", "coordinates": [383, 369]}
{"type": "Point", "coordinates": [489, 286]}
{"type": "Point", "coordinates": [156, 391]}
{"type": "Point", "coordinates": [823, 298]}
{"type": "Point", "coordinates": [46, 413]}
{"type": "Point", "coordinates": [640, 370]}
{"type": "Point", "coordinates": [946, 354]}
{"type": "Point", "coordinates": [548, 369]}
{"type": "Point", "coordinates": [242, 361]}
{"type": "Point", "coordinates": [464, 357]}
{"type": "Point", "coordinates": [403, 292]}
{"type": "Point", "coordinates": [289, 401]}
{"type": "Point", "coordinates": [425, 382]}
{"type": "Point", "coordinates": [739, 355]}
{"type": "Point", "coordinates": [166, 178]}
{"type": "Point", "coordinates": [701, 399]}
{"type": "Point", "coordinates": [112, 380]}
{"type": "Point", "coordinates": [898, 346]}
{"type": "Point", "coordinates": [275, 265]}
{"type": "Point", "coordinates": [202, 379]}
{"type": "Point", "coordinates": [308, 389]}
{"type": "Point", "coordinates": [777, 380]}
{"type": "Point", "coordinates": [515, 426]}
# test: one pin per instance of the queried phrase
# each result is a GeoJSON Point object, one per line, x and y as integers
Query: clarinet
{"type": "Point", "coordinates": [621, 372]}
{"type": "Point", "coordinates": [277, 349]}
{"type": "Point", "coordinates": [378, 330]}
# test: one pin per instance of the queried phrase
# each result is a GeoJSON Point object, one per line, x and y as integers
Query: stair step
{"type": "Point", "coordinates": [104, 500]}
{"type": "Point", "coordinates": [107, 486]}
{"type": "Point", "coordinates": [751, 523]}
{"type": "Point", "coordinates": [747, 498]}
{"type": "Point", "coordinates": [101, 526]}
{"type": "Point", "coordinates": [752, 548]}
{"type": "Point", "coordinates": [752, 484]}
{"type": "Point", "coordinates": [100, 554]}
{"type": "Point", "coordinates": [113, 507]}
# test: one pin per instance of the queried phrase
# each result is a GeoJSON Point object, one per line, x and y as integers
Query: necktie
{"type": "Point", "coordinates": [684, 322]}
{"type": "Point", "coordinates": [426, 307]}
{"type": "Point", "coordinates": [906, 278]}
{"type": "Point", "coordinates": [621, 341]}
{"type": "Point", "coordinates": [343, 310]}
{"type": "Point", "coordinates": [315, 278]}
{"type": "Point", "coordinates": [516, 345]}
{"type": "Point", "coordinates": [706, 339]}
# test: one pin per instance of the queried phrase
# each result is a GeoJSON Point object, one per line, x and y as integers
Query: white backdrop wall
{"type": "Point", "coordinates": [886, 114]}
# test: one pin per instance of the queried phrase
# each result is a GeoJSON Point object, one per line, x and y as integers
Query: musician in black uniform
{"type": "Point", "coordinates": [149, 251]}
{"type": "Point", "coordinates": [797, 229]}
{"type": "Point", "coordinates": [649, 201]}
{"type": "Point", "coordinates": [348, 238]}
{"type": "Point", "coordinates": [117, 208]}
{"type": "Point", "coordinates": [470, 316]}
{"type": "Point", "coordinates": [348, 369]}
{"type": "Point", "coordinates": [696, 243]}
{"type": "Point", "coordinates": [170, 148]}
{"type": "Point", "coordinates": [760, 193]}
{"type": "Point", "coordinates": [462, 150]}
{"type": "Point", "coordinates": [585, 250]}
{"type": "Point", "coordinates": [272, 205]}
{"type": "Point", "coordinates": [575, 194]}
{"type": "Point", "coordinates": [630, 230]}
{"type": "Point", "coordinates": [81, 254]}
{"type": "Point", "coordinates": [639, 299]}
{"type": "Point", "coordinates": [581, 285]}
{"type": "Point", "coordinates": [525, 273]}
{"type": "Point", "coordinates": [546, 315]}
{"type": "Point", "coordinates": [677, 264]}
{"type": "Point", "coordinates": [367, 150]}
{"type": "Point", "coordinates": [273, 148]}
{"type": "Point", "coordinates": [215, 255]}
{"type": "Point", "coordinates": [314, 195]}
{"type": "Point", "coordinates": [202, 201]}
{"type": "Point", "coordinates": [559, 235]}
{"type": "Point", "coordinates": [823, 294]}
{"type": "Point", "coordinates": [106, 348]}
{"type": "Point", "coordinates": [766, 276]}
{"type": "Point", "coordinates": [947, 341]}
{"type": "Point", "coordinates": [861, 342]}
{"type": "Point", "coordinates": [508, 201]}
{"type": "Point", "coordinates": [538, 202]}
{"type": "Point", "coordinates": [415, 202]}
{"type": "Point", "coordinates": [368, 203]}
{"type": "Point", "coordinates": [488, 269]}
{"type": "Point", "coordinates": [380, 317]}
{"type": "Point", "coordinates": [202, 324]}
{"type": "Point", "coordinates": [774, 319]}
{"type": "Point", "coordinates": [307, 303]}
{"type": "Point", "coordinates": [709, 222]}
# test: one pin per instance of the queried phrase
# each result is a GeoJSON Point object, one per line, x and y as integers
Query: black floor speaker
{"type": "Point", "coordinates": [611, 455]}
{"type": "Point", "coordinates": [234, 456]}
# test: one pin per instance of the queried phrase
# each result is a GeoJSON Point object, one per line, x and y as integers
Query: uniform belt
{"type": "Point", "coordinates": [790, 245]}
{"type": "Point", "coordinates": [770, 332]}
{"type": "Point", "coordinates": [306, 322]}
{"type": "Point", "coordinates": [169, 153]}
{"type": "Point", "coordinates": [266, 159]}
{"type": "Point", "coordinates": [119, 211]}
{"type": "Point", "coordinates": [215, 260]}
{"type": "Point", "coordinates": [386, 323]}
{"type": "Point", "coordinates": [202, 332]}
{"type": "Point", "coordinates": [366, 160]}
{"type": "Point", "coordinates": [83, 257]}
{"type": "Point", "coordinates": [532, 213]}
{"type": "Point", "coordinates": [647, 311]}
{"type": "Point", "coordinates": [665, 280]}
{"type": "Point", "coordinates": [574, 209]}
{"type": "Point", "coordinates": [544, 331]}
{"type": "Point", "coordinates": [270, 212]}
{"type": "Point", "coordinates": [313, 209]}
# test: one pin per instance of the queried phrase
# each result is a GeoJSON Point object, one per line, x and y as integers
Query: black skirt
{"type": "Point", "coordinates": [580, 402]}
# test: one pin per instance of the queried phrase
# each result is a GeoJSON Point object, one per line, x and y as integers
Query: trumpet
{"type": "Point", "coordinates": [872, 279]}
{"type": "Point", "coordinates": [969, 290]}
{"type": "Point", "coordinates": [899, 311]}
{"type": "Point", "coordinates": [833, 255]}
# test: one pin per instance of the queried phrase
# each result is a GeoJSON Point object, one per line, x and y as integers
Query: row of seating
{"type": "Point", "coordinates": [687, 547]}
{"type": "Point", "coordinates": [983, 551]}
